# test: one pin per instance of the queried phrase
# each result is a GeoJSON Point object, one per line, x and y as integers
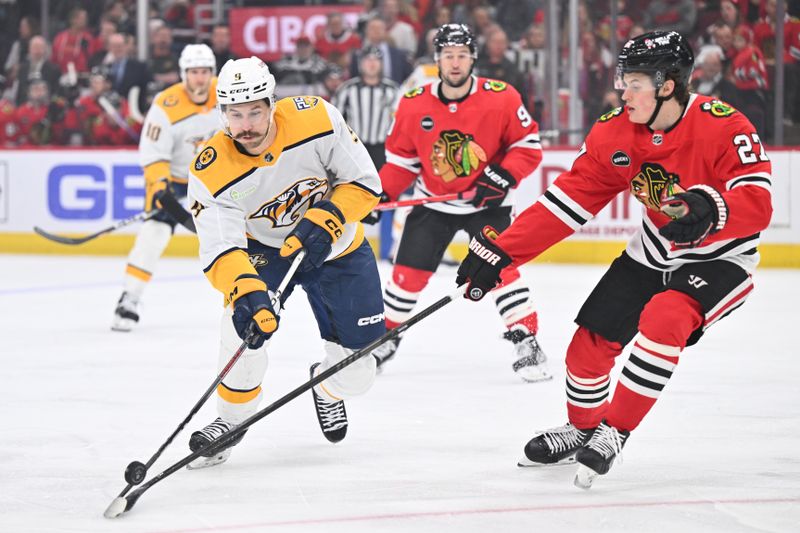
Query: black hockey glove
{"type": "Point", "coordinates": [253, 315]}
{"type": "Point", "coordinates": [374, 216]}
{"type": "Point", "coordinates": [697, 213]}
{"type": "Point", "coordinates": [316, 232]}
{"type": "Point", "coordinates": [492, 186]}
{"type": "Point", "coordinates": [481, 269]}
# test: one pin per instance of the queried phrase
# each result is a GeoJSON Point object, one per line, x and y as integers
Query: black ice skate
{"type": "Point", "coordinates": [556, 446]}
{"type": "Point", "coordinates": [531, 362]}
{"type": "Point", "coordinates": [385, 352]}
{"type": "Point", "coordinates": [126, 315]}
{"type": "Point", "coordinates": [331, 415]}
{"type": "Point", "coordinates": [215, 455]}
{"type": "Point", "coordinates": [597, 455]}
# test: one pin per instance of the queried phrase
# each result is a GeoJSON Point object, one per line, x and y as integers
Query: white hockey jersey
{"type": "Point", "coordinates": [174, 132]}
{"type": "Point", "coordinates": [235, 196]}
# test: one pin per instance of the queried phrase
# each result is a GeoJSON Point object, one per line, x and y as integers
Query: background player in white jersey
{"type": "Point", "coordinates": [284, 177]}
{"type": "Point", "coordinates": [182, 118]}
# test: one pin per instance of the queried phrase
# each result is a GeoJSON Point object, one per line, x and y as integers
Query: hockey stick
{"type": "Point", "coordinates": [122, 503]}
{"type": "Point", "coordinates": [172, 206]}
{"type": "Point", "coordinates": [465, 195]}
{"type": "Point", "coordinates": [136, 471]}
{"type": "Point", "coordinates": [63, 239]}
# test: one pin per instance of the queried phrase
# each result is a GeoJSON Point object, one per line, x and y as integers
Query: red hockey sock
{"type": "Point", "coordinates": [402, 292]}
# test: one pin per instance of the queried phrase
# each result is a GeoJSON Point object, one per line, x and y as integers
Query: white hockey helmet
{"type": "Point", "coordinates": [245, 80]}
{"type": "Point", "coordinates": [196, 56]}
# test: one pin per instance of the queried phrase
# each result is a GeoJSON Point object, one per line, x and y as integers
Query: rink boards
{"type": "Point", "coordinates": [78, 191]}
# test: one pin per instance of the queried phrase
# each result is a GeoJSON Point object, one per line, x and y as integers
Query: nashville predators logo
{"type": "Point", "coordinates": [170, 101]}
{"type": "Point", "coordinates": [611, 114]}
{"type": "Point", "coordinates": [286, 208]}
{"type": "Point", "coordinates": [455, 155]}
{"type": "Point", "coordinates": [718, 108]}
{"type": "Point", "coordinates": [205, 158]}
{"type": "Point", "coordinates": [652, 184]}
{"type": "Point", "coordinates": [494, 86]}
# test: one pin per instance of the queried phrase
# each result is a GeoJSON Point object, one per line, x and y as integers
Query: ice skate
{"type": "Point", "coordinates": [530, 361]}
{"type": "Point", "coordinates": [597, 455]}
{"type": "Point", "coordinates": [385, 352]}
{"type": "Point", "coordinates": [331, 415]}
{"type": "Point", "coordinates": [215, 455]}
{"type": "Point", "coordinates": [126, 315]}
{"type": "Point", "coordinates": [556, 446]}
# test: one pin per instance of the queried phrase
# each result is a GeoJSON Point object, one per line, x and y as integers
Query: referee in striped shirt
{"type": "Point", "coordinates": [367, 103]}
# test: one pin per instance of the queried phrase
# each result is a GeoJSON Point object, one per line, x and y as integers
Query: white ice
{"type": "Point", "coordinates": [432, 447]}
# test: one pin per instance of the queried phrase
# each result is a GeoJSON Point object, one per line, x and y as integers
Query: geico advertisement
{"type": "Point", "coordinates": [86, 190]}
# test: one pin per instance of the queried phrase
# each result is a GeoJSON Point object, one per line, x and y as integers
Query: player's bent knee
{"type": "Point", "coordinates": [591, 354]}
{"type": "Point", "coordinates": [151, 241]}
{"type": "Point", "coordinates": [670, 317]}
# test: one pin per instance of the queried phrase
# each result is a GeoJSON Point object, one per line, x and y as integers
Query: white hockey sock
{"type": "Point", "coordinates": [151, 241]}
{"type": "Point", "coordinates": [353, 380]}
{"type": "Point", "coordinates": [513, 302]}
{"type": "Point", "coordinates": [398, 303]}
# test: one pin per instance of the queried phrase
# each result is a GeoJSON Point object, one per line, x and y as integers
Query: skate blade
{"type": "Point", "coordinates": [534, 378]}
{"type": "Point", "coordinates": [527, 463]}
{"type": "Point", "coordinates": [123, 324]}
{"type": "Point", "coordinates": [584, 477]}
{"type": "Point", "coordinates": [205, 462]}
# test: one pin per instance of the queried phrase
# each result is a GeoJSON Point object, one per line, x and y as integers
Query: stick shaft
{"type": "Point", "coordinates": [385, 206]}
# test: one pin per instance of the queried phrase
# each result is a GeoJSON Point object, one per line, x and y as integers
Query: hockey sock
{"type": "Point", "coordinates": [402, 292]}
{"type": "Point", "coordinates": [665, 324]}
{"type": "Point", "coordinates": [590, 358]}
{"type": "Point", "coordinates": [151, 241]}
{"type": "Point", "coordinates": [513, 301]}
{"type": "Point", "coordinates": [353, 380]}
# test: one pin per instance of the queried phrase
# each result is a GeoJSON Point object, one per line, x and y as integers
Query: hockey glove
{"type": "Point", "coordinates": [253, 315]}
{"type": "Point", "coordinates": [316, 232]}
{"type": "Point", "coordinates": [492, 186]}
{"type": "Point", "coordinates": [697, 213]}
{"type": "Point", "coordinates": [481, 269]}
{"type": "Point", "coordinates": [374, 216]}
{"type": "Point", "coordinates": [152, 193]}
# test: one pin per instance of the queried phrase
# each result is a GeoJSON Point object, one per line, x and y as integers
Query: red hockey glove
{"type": "Point", "coordinates": [483, 264]}
{"type": "Point", "coordinates": [697, 213]}
{"type": "Point", "coordinates": [492, 186]}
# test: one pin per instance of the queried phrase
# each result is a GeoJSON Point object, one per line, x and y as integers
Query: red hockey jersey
{"type": "Point", "coordinates": [448, 144]}
{"type": "Point", "coordinates": [712, 144]}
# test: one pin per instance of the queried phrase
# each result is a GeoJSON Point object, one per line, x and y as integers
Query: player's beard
{"type": "Point", "coordinates": [252, 139]}
{"type": "Point", "coordinates": [199, 92]}
{"type": "Point", "coordinates": [456, 82]}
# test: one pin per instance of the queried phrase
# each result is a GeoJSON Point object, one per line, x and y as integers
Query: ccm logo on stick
{"type": "Point", "coordinates": [369, 320]}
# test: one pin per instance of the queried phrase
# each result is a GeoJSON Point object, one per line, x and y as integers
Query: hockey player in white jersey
{"type": "Point", "coordinates": [280, 178]}
{"type": "Point", "coordinates": [182, 118]}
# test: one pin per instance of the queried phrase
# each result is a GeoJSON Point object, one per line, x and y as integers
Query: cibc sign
{"type": "Point", "coordinates": [270, 32]}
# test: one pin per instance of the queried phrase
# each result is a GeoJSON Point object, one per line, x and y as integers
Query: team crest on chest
{"type": "Point", "coordinates": [287, 207]}
{"type": "Point", "coordinates": [653, 183]}
{"type": "Point", "coordinates": [455, 155]}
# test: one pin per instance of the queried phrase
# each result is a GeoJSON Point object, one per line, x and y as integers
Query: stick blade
{"type": "Point", "coordinates": [61, 239]}
{"type": "Point", "coordinates": [118, 506]}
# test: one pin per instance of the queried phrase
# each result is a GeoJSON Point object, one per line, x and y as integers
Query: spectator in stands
{"type": "Point", "coordinates": [303, 67]}
{"type": "Point", "coordinates": [336, 38]}
{"type": "Point", "coordinates": [117, 12]}
{"type": "Point", "coordinates": [400, 33]}
{"type": "Point", "coordinates": [530, 57]}
{"type": "Point", "coordinates": [9, 132]}
{"type": "Point", "coordinates": [163, 61]}
{"type": "Point", "coordinates": [764, 34]}
{"type": "Point", "coordinates": [126, 72]}
{"type": "Point", "coordinates": [624, 25]}
{"type": "Point", "coordinates": [333, 79]}
{"type": "Point", "coordinates": [42, 119]}
{"type": "Point", "coordinates": [179, 15]}
{"type": "Point", "coordinates": [596, 74]}
{"type": "Point", "coordinates": [36, 66]}
{"type": "Point", "coordinates": [729, 13]}
{"type": "Point", "coordinates": [220, 43]}
{"type": "Point", "coordinates": [723, 37]}
{"type": "Point", "coordinates": [611, 100]}
{"type": "Point", "coordinates": [750, 77]}
{"type": "Point", "coordinates": [395, 63]}
{"type": "Point", "coordinates": [99, 46]}
{"type": "Point", "coordinates": [493, 63]}
{"type": "Point", "coordinates": [676, 15]}
{"type": "Point", "coordinates": [515, 16]}
{"type": "Point", "coordinates": [28, 27]}
{"type": "Point", "coordinates": [709, 77]}
{"type": "Point", "coordinates": [72, 44]}
{"type": "Point", "coordinates": [104, 115]}
{"type": "Point", "coordinates": [482, 22]}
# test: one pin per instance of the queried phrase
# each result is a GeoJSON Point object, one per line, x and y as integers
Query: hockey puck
{"type": "Point", "coordinates": [135, 473]}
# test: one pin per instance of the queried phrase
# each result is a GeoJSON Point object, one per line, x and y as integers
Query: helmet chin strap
{"type": "Point", "coordinates": [659, 102]}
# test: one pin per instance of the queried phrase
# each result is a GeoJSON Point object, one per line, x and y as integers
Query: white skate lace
{"type": "Point", "coordinates": [606, 440]}
{"type": "Point", "coordinates": [563, 438]}
{"type": "Point", "coordinates": [215, 429]}
{"type": "Point", "coordinates": [331, 414]}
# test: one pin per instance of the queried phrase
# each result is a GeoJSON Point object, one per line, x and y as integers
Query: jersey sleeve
{"type": "Point", "coordinates": [156, 144]}
{"type": "Point", "coordinates": [222, 235]}
{"type": "Point", "coordinates": [573, 199]}
{"type": "Point", "coordinates": [521, 137]}
{"type": "Point", "coordinates": [746, 172]}
{"type": "Point", "coordinates": [402, 161]}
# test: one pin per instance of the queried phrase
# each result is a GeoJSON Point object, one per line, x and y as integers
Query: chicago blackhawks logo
{"type": "Point", "coordinates": [288, 206]}
{"type": "Point", "coordinates": [414, 92]}
{"type": "Point", "coordinates": [652, 184]}
{"type": "Point", "coordinates": [718, 108]}
{"type": "Point", "coordinates": [455, 155]}
{"type": "Point", "coordinates": [617, 111]}
{"type": "Point", "coordinates": [494, 85]}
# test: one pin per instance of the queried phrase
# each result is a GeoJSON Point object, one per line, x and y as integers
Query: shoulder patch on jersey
{"type": "Point", "coordinates": [298, 125]}
{"type": "Point", "coordinates": [414, 92]}
{"type": "Point", "coordinates": [206, 157]}
{"type": "Point", "coordinates": [611, 114]}
{"type": "Point", "coordinates": [495, 86]}
{"type": "Point", "coordinates": [176, 103]}
{"type": "Point", "coordinates": [718, 108]}
{"type": "Point", "coordinates": [305, 102]}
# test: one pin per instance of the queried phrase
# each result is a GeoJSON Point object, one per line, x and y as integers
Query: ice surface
{"type": "Point", "coordinates": [432, 447]}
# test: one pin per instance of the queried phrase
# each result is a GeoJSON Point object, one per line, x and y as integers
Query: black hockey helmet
{"type": "Point", "coordinates": [661, 54]}
{"type": "Point", "coordinates": [455, 35]}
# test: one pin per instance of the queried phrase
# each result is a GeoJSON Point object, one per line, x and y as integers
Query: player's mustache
{"type": "Point", "coordinates": [249, 133]}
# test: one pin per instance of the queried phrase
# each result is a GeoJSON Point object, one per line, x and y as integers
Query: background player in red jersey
{"type": "Point", "coordinates": [462, 133]}
{"type": "Point", "coordinates": [684, 155]}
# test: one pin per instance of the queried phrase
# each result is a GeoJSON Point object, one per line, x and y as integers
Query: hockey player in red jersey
{"type": "Point", "coordinates": [701, 172]}
{"type": "Point", "coordinates": [462, 133]}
